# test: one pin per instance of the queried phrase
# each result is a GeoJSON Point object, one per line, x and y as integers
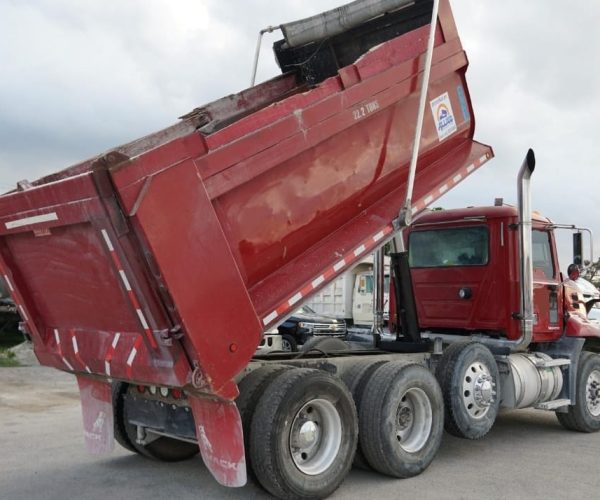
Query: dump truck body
{"type": "Point", "coordinates": [163, 261]}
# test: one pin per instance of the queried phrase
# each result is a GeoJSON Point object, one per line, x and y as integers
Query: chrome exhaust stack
{"type": "Point", "coordinates": [526, 315]}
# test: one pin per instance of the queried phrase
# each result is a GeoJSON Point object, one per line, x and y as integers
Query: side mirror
{"type": "Point", "coordinates": [578, 248]}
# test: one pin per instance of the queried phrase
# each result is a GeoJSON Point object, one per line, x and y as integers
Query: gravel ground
{"type": "Point", "coordinates": [527, 455]}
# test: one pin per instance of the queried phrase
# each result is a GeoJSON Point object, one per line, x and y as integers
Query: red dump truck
{"type": "Point", "coordinates": [152, 271]}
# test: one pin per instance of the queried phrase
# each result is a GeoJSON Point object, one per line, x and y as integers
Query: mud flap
{"type": "Point", "coordinates": [221, 439]}
{"type": "Point", "coordinates": [98, 420]}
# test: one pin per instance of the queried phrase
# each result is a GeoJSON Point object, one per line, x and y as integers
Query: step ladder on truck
{"type": "Point", "coordinates": [152, 271]}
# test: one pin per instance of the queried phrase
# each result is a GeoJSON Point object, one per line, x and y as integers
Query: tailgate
{"type": "Point", "coordinates": [81, 284]}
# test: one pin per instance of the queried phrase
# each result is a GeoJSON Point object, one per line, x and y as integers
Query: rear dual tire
{"type": "Point", "coordinates": [303, 434]}
{"type": "Point", "coordinates": [401, 419]}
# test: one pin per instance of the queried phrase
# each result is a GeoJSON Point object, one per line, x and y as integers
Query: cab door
{"type": "Point", "coordinates": [548, 321]}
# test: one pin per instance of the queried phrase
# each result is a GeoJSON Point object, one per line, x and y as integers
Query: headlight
{"type": "Point", "coordinates": [308, 326]}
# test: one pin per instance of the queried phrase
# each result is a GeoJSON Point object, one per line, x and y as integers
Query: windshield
{"type": "Point", "coordinates": [465, 246]}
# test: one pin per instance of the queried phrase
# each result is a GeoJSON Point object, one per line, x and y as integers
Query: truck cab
{"type": "Point", "coordinates": [465, 271]}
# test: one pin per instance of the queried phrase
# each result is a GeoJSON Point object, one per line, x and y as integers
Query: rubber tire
{"type": "Point", "coordinates": [578, 418]}
{"type": "Point", "coordinates": [291, 340]}
{"type": "Point", "coordinates": [164, 449]}
{"type": "Point", "coordinates": [271, 425]}
{"type": "Point", "coordinates": [450, 370]}
{"type": "Point", "coordinates": [118, 390]}
{"type": "Point", "coordinates": [356, 379]}
{"type": "Point", "coordinates": [378, 413]}
{"type": "Point", "coordinates": [251, 387]}
{"type": "Point", "coordinates": [325, 344]}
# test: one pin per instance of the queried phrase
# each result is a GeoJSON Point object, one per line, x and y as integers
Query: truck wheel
{"type": "Point", "coordinates": [251, 387]}
{"type": "Point", "coordinates": [165, 449]}
{"type": "Point", "coordinates": [288, 343]}
{"type": "Point", "coordinates": [304, 434]}
{"type": "Point", "coordinates": [584, 416]}
{"type": "Point", "coordinates": [118, 390]}
{"type": "Point", "coordinates": [401, 419]}
{"type": "Point", "coordinates": [468, 375]}
{"type": "Point", "coordinates": [325, 344]}
{"type": "Point", "coordinates": [356, 379]}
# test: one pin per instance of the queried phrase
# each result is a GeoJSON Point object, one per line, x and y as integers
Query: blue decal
{"type": "Point", "coordinates": [463, 103]}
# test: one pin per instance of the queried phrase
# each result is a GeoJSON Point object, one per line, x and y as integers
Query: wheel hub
{"type": "Point", "coordinates": [484, 390]}
{"type": "Point", "coordinates": [479, 390]}
{"type": "Point", "coordinates": [315, 436]}
{"type": "Point", "coordinates": [405, 416]}
{"type": "Point", "coordinates": [593, 393]}
{"type": "Point", "coordinates": [308, 434]}
{"type": "Point", "coordinates": [413, 420]}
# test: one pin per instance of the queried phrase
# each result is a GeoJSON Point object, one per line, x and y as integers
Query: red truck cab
{"type": "Point", "coordinates": [465, 272]}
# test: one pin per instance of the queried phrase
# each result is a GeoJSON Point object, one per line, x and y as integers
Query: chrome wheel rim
{"type": "Point", "coordinates": [286, 345]}
{"type": "Point", "coordinates": [315, 437]}
{"type": "Point", "coordinates": [592, 393]}
{"type": "Point", "coordinates": [414, 420]}
{"type": "Point", "coordinates": [478, 390]}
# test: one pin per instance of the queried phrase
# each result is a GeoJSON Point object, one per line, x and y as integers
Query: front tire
{"type": "Point", "coordinates": [288, 343]}
{"type": "Point", "coordinates": [304, 434]}
{"type": "Point", "coordinates": [251, 387]}
{"type": "Point", "coordinates": [584, 416]}
{"type": "Point", "coordinates": [356, 379]}
{"type": "Point", "coordinates": [468, 375]}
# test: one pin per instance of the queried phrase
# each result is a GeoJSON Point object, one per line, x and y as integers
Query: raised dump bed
{"type": "Point", "coordinates": [162, 262]}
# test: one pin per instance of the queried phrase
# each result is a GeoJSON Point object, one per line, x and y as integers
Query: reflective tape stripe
{"type": "Point", "coordinates": [110, 353]}
{"type": "Point", "coordinates": [127, 284]}
{"type": "Point", "coordinates": [359, 250]}
{"type": "Point", "coordinates": [125, 280]}
{"type": "Point", "coordinates": [28, 221]}
{"type": "Point", "coordinates": [316, 282]}
{"type": "Point", "coordinates": [296, 298]}
{"type": "Point", "coordinates": [8, 283]}
{"type": "Point", "coordinates": [23, 313]}
{"type": "Point", "coordinates": [339, 265]}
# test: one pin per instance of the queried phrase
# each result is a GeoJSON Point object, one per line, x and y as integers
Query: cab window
{"type": "Point", "coordinates": [456, 247]}
{"type": "Point", "coordinates": [542, 253]}
{"type": "Point", "coordinates": [365, 284]}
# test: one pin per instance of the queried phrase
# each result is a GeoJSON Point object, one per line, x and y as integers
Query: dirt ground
{"type": "Point", "coordinates": [527, 455]}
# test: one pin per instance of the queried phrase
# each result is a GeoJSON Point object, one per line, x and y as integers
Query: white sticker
{"type": "Point", "coordinates": [443, 117]}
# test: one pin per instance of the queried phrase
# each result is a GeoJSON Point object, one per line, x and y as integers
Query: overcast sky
{"type": "Point", "coordinates": [79, 77]}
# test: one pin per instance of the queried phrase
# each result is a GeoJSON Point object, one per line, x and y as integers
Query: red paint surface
{"type": "Point", "coordinates": [221, 439]}
{"type": "Point", "coordinates": [495, 286]}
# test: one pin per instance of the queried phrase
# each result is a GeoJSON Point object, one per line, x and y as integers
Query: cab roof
{"type": "Point", "coordinates": [474, 213]}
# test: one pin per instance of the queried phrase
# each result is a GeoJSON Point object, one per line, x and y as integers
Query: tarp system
{"type": "Point", "coordinates": [338, 20]}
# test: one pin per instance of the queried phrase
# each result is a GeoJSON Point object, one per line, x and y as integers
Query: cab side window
{"type": "Point", "coordinates": [542, 253]}
{"type": "Point", "coordinates": [365, 284]}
